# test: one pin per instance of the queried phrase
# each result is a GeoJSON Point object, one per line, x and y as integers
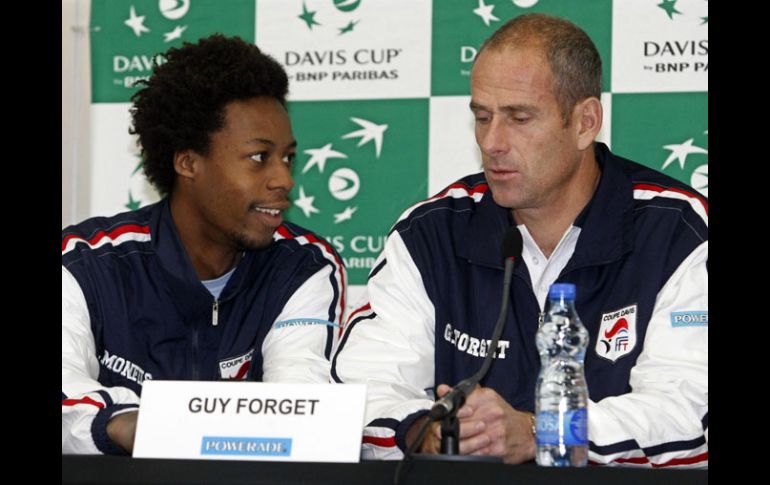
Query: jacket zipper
{"type": "Point", "coordinates": [214, 322]}
{"type": "Point", "coordinates": [540, 315]}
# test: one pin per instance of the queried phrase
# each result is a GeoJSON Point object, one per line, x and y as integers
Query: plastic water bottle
{"type": "Point", "coordinates": [561, 396]}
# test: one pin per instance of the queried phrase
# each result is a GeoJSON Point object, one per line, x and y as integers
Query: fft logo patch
{"type": "Point", "coordinates": [236, 368]}
{"type": "Point", "coordinates": [617, 333]}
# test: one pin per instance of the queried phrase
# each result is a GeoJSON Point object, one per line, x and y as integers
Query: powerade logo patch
{"type": "Point", "coordinates": [690, 319]}
{"type": "Point", "coordinates": [303, 322]}
{"type": "Point", "coordinates": [223, 445]}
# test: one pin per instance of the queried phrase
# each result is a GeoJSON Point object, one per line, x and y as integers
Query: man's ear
{"type": "Point", "coordinates": [588, 117]}
{"type": "Point", "coordinates": [186, 163]}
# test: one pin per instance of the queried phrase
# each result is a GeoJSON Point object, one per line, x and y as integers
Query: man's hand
{"type": "Point", "coordinates": [122, 429]}
{"type": "Point", "coordinates": [488, 426]}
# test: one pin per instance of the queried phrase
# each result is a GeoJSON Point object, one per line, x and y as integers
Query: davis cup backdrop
{"type": "Point", "coordinates": [379, 93]}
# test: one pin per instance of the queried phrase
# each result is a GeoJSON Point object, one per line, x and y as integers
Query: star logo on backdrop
{"type": "Point", "coordinates": [136, 22]}
{"type": "Point", "coordinates": [342, 6]}
{"type": "Point", "coordinates": [669, 6]}
{"type": "Point", "coordinates": [174, 34]}
{"type": "Point", "coordinates": [306, 203]}
{"type": "Point", "coordinates": [369, 132]}
{"type": "Point", "coordinates": [344, 183]}
{"type": "Point", "coordinates": [485, 12]}
{"type": "Point", "coordinates": [680, 151]}
{"type": "Point", "coordinates": [345, 215]}
{"type": "Point", "coordinates": [308, 17]}
{"type": "Point", "coordinates": [170, 9]}
{"type": "Point", "coordinates": [140, 191]}
{"type": "Point", "coordinates": [318, 156]}
{"type": "Point", "coordinates": [348, 28]}
{"type": "Point", "coordinates": [132, 204]}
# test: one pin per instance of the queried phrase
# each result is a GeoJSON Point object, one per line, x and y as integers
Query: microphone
{"type": "Point", "coordinates": [454, 399]}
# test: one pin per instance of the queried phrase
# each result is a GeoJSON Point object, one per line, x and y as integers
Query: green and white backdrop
{"type": "Point", "coordinates": [379, 93]}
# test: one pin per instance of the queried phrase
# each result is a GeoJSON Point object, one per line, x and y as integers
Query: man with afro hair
{"type": "Point", "coordinates": [210, 283]}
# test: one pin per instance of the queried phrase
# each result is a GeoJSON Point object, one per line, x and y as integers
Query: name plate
{"type": "Point", "coordinates": [219, 420]}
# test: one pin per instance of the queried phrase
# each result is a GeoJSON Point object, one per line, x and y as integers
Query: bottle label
{"type": "Point", "coordinates": [555, 428]}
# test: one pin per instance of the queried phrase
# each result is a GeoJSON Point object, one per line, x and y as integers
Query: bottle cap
{"type": "Point", "coordinates": [562, 290]}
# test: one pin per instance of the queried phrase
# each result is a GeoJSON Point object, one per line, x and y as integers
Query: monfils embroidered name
{"type": "Point", "coordinates": [472, 345]}
{"type": "Point", "coordinates": [124, 367]}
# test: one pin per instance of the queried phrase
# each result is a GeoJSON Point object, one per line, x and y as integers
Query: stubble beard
{"type": "Point", "coordinates": [244, 242]}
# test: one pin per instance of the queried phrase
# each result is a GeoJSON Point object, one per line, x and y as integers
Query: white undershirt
{"type": "Point", "coordinates": [544, 271]}
{"type": "Point", "coordinates": [216, 285]}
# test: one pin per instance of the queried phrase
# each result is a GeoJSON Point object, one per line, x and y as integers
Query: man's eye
{"type": "Point", "coordinates": [259, 157]}
{"type": "Point", "coordinates": [289, 159]}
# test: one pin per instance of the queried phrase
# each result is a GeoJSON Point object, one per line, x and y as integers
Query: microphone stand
{"type": "Point", "coordinates": [446, 408]}
{"type": "Point", "coordinates": [450, 425]}
{"type": "Point", "coordinates": [450, 435]}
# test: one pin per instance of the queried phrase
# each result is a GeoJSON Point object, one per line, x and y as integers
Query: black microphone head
{"type": "Point", "coordinates": [512, 244]}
